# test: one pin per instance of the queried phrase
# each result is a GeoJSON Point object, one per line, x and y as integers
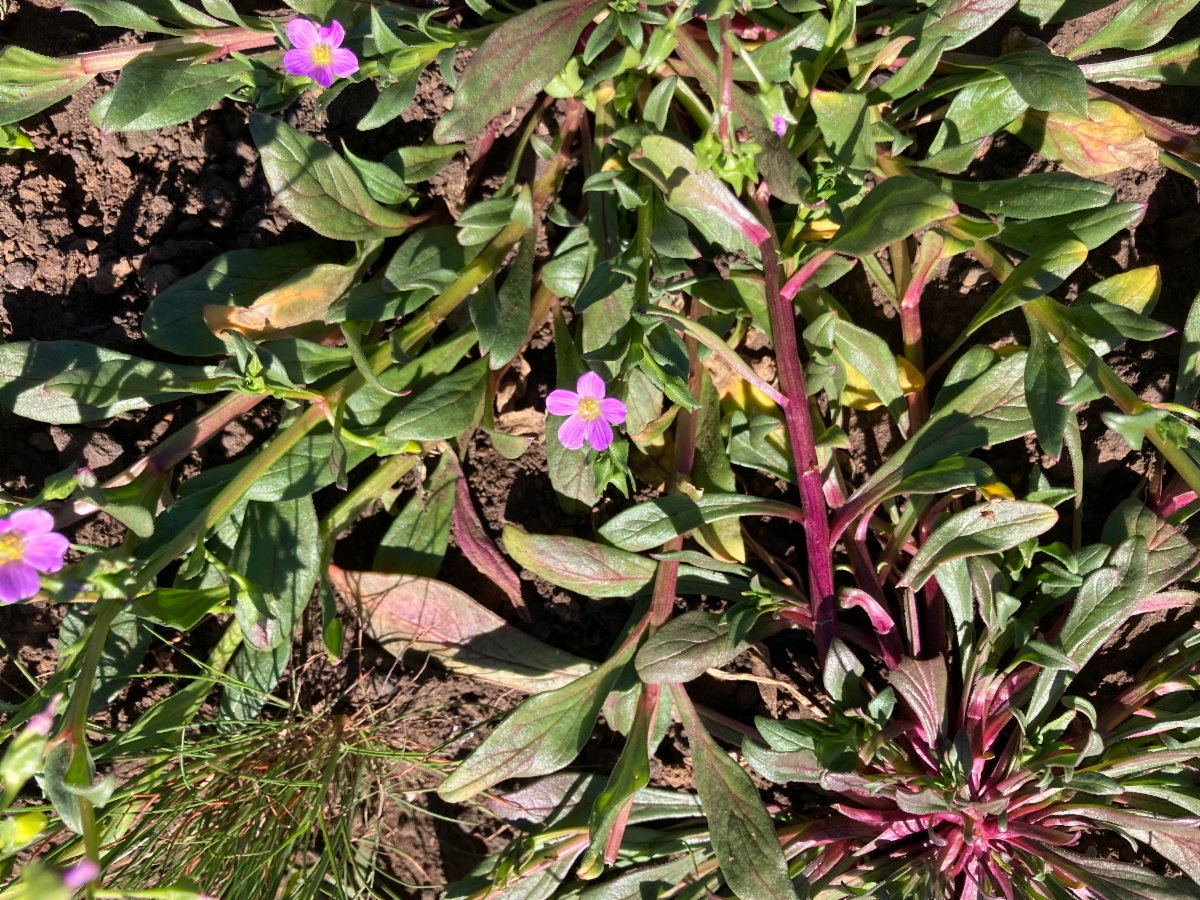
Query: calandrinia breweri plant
{"type": "Point", "coordinates": [699, 170]}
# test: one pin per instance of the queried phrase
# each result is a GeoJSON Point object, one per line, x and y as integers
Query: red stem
{"type": "Point", "coordinates": [800, 433]}
{"type": "Point", "coordinates": [726, 83]}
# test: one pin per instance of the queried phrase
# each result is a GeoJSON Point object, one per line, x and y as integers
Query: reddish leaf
{"type": "Point", "coordinates": [407, 613]}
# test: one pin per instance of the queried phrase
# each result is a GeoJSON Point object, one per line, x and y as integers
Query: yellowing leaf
{"type": "Point", "coordinates": [1137, 289]}
{"type": "Point", "coordinates": [1109, 140]}
{"type": "Point", "coordinates": [300, 300]}
{"type": "Point", "coordinates": [858, 393]}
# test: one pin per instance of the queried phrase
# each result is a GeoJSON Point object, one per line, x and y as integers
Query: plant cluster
{"type": "Point", "coordinates": [734, 161]}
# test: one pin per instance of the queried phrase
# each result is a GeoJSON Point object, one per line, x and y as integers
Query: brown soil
{"type": "Point", "coordinates": [96, 225]}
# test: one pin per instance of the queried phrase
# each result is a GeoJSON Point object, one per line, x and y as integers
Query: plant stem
{"type": "Point", "coordinates": [386, 474]}
{"type": "Point", "coordinates": [416, 332]}
{"type": "Point", "coordinates": [173, 450]}
{"type": "Point", "coordinates": [201, 41]}
{"type": "Point", "coordinates": [726, 85]}
{"type": "Point", "coordinates": [800, 433]}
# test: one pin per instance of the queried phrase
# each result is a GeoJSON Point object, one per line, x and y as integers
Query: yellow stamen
{"type": "Point", "coordinates": [322, 54]}
{"type": "Point", "coordinates": [588, 409]}
{"type": "Point", "coordinates": [12, 548]}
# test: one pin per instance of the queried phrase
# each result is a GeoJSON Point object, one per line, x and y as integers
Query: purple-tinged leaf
{"type": "Point", "coordinates": [979, 531]}
{"type": "Point", "coordinates": [428, 616]}
{"type": "Point", "coordinates": [1167, 600]}
{"type": "Point", "coordinates": [961, 20]}
{"type": "Point", "coordinates": [542, 735]}
{"type": "Point", "coordinates": [923, 684]}
{"type": "Point", "coordinates": [1179, 64]}
{"type": "Point", "coordinates": [546, 799]}
{"type": "Point", "coordinates": [783, 767]}
{"type": "Point", "coordinates": [512, 66]}
{"type": "Point", "coordinates": [687, 646]}
{"type": "Point", "coordinates": [1172, 555]}
{"type": "Point", "coordinates": [588, 568]}
{"type": "Point", "coordinates": [699, 196]}
{"type": "Point", "coordinates": [742, 832]}
{"type": "Point", "coordinates": [1140, 24]}
{"type": "Point", "coordinates": [476, 546]}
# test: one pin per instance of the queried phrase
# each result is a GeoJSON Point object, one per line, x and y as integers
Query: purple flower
{"type": "Point", "coordinates": [592, 415]}
{"type": "Point", "coordinates": [28, 545]}
{"type": "Point", "coordinates": [779, 123]}
{"type": "Point", "coordinates": [318, 52]}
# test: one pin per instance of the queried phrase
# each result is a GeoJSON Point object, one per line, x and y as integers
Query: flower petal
{"type": "Point", "coordinates": [298, 62]}
{"type": "Point", "coordinates": [27, 522]}
{"type": "Point", "coordinates": [18, 581]}
{"type": "Point", "coordinates": [332, 34]}
{"type": "Point", "coordinates": [302, 33]}
{"type": "Point", "coordinates": [599, 434]}
{"type": "Point", "coordinates": [562, 403]}
{"type": "Point", "coordinates": [345, 63]}
{"type": "Point", "coordinates": [572, 433]}
{"type": "Point", "coordinates": [590, 385]}
{"type": "Point", "coordinates": [613, 410]}
{"type": "Point", "coordinates": [45, 552]}
{"type": "Point", "coordinates": [322, 75]}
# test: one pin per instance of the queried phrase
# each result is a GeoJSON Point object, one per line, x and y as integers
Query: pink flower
{"type": "Point", "coordinates": [592, 415]}
{"type": "Point", "coordinates": [779, 123]}
{"type": "Point", "coordinates": [28, 545]}
{"type": "Point", "coordinates": [318, 52]}
{"type": "Point", "coordinates": [83, 872]}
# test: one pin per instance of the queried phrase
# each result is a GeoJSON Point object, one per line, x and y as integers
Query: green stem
{"type": "Point", "coordinates": [367, 492]}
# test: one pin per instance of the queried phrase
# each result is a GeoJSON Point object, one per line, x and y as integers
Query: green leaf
{"type": "Point", "coordinates": [1091, 227]}
{"type": "Point", "coordinates": [384, 181]}
{"type": "Point", "coordinates": [502, 317]}
{"type": "Point", "coordinates": [891, 212]}
{"type": "Point", "coordinates": [422, 162]}
{"type": "Point", "coordinates": [442, 410]}
{"type": "Point", "coordinates": [1037, 276]}
{"type": "Point", "coordinates": [782, 767]}
{"type": "Point", "coordinates": [1179, 64]}
{"type": "Point", "coordinates": [174, 320]}
{"type": "Point", "coordinates": [980, 109]}
{"type": "Point", "coordinates": [124, 648]}
{"type": "Point", "coordinates": [1046, 381]}
{"type": "Point", "coordinates": [1187, 382]}
{"type": "Point", "coordinates": [318, 187]}
{"type": "Point", "coordinates": [144, 85]}
{"type": "Point", "coordinates": [1140, 24]}
{"type": "Point", "coordinates": [542, 735]}
{"type": "Point", "coordinates": [989, 410]}
{"type": "Point", "coordinates": [979, 531]}
{"type": "Point", "coordinates": [197, 88]}
{"type": "Point", "coordinates": [20, 101]}
{"type": "Point", "coordinates": [279, 550]}
{"type": "Point", "coordinates": [512, 66]}
{"type": "Point", "coordinates": [1036, 196]}
{"type": "Point", "coordinates": [1132, 428]}
{"type": "Point", "coordinates": [118, 381]}
{"type": "Point", "coordinates": [181, 608]}
{"type": "Point", "coordinates": [658, 103]}
{"type": "Point", "coordinates": [1042, 12]}
{"type": "Point", "coordinates": [845, 123]}
{"type": "Point", "coordinates": [393, 100]}
{"type": "Point", "coordinates": [27, 368]}
{"type": "Point", "coordinates": [742, 834]}
{"type": "Point", "coordinates": [699, 196]}
{"type": "Point", "coordinates": [654, 522]}
{"type": "Point", "coordinates": [960, 20]}
{"type": "Point", "coordinates": [869, 355]}
{"type": "Point", "coordinates": [914, 73]}
{"type": "Point", "coordinates": [587, 568]}
{"type": "Point", "coordinates": [403, 613]}
{"type": "Point", "coordinates": [1045, 81]}
{"type": "Point", "coordinates": [948, 475]}
{"type": "Point", "coordinates": [416, 541]}
{"type": "Point", "coordinates": [118, 14]}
